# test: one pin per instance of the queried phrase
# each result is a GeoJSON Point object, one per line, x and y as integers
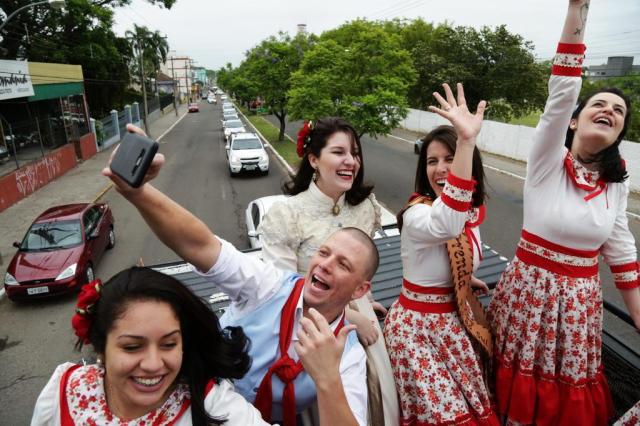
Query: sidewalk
{"type": "Point", "coordinates": [84, 183]}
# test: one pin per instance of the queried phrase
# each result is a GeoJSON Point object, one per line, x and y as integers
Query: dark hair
{"type": "Point", "coordinates": [610, 163]}
{"type": "Point", "coordinates": [318, 137]}
{"type": "Point", "coordinates": [447, 135]}
{"type": "Point", "coordinates": [208, 351]}
{"type": "Point", "coordinates": [373, 260]}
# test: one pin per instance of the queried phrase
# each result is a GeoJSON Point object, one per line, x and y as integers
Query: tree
{"type": "Point", "coordinates": [630, 85]}
{"type": "Point", "coordinates": [151, 45]}
{"type": "Point", "coordinates": [359, 72]}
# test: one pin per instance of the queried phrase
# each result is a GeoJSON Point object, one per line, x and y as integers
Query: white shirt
{"type": "Point", "coordinates": [221, 402]}
{"type": "Point", "coordinates": [249, 282]}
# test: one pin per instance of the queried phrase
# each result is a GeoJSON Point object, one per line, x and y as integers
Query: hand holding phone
{"type": "Point", "coordinates": [133, 158]}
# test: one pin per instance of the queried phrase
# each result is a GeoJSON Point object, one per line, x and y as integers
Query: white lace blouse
{"type": "Point", "coordinates": [292, 230]}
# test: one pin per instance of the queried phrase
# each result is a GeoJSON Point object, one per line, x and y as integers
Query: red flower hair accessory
{"type": "Point", "coordinates": [81, 321]}
{"type": "Point", "coordinates": [304, 137]}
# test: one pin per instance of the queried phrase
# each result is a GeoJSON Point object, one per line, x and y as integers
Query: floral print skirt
{"type": "Point", "coordinates": [631, 418]}
{"type": "Point", "coordinates": [548, 366]}
{"type": "Point", "coordinates": [435, 367]}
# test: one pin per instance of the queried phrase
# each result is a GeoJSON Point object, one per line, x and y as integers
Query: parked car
{"type": "Point", "coordinates": [193, 107]}
{"type": "Point", "coordinates": [229, 115]}
{"type": "Point", "coordinates": [60, 251]}
{"type": "Point", "coordinates": [226, 104]}
{"type": "Point", "coordinates": [212, 100]}
{"type": "Point", "coordinates": [223, 97]}
{"type": "Point", "coordinates": [232, 126]}
{"type": "Point", "coordinates": [246, 152]}
{"type": "Point", "coordinates": [260, 206]}
{"type": "Point", "coordinates": [417, 145]}
{"type": "Point", "coordinates": [4, 153]}
{"type": "Point", "coordinates": [229, 110]}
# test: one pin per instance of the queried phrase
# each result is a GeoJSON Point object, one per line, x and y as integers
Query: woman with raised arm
{"type": "Point", "coordinates": [162, 360]}
{"type": "Point", "coordinates": [547, 308]}
{"type": "Point", "coordinates": [433, 329]}
{"type": "Point", "coordinates": [327, 193]}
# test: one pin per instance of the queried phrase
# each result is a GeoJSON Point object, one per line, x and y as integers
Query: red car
{"type": "Point", "coordinates": [60, 251]}
{"type": "Point", "coordinates": [193, 107]}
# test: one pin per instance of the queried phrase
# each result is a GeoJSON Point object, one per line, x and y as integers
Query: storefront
{"type": "Point", "coordinates": [44, 125]}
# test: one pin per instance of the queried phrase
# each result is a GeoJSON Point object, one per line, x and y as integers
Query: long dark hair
{"type": "Point", "coordinates": [447, 136]}
{"type": "Point", "coordinates": [208, 351]}
{"type": "Point", "coordinates": [610, 163]}
{"type": "Point", "coordinates": [322, 131]}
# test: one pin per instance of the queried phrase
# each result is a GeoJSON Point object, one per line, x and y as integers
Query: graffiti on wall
{"type": "Point", "coordinates": [35, 175]}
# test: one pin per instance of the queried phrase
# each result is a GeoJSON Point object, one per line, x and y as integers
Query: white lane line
{"type": "Point", "coordinates": [513, 175]}
{"type": "Point", "coordinates": [172, 126]}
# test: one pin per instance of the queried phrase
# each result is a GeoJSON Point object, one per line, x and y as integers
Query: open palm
{"type": "Point", "coordinates": [467, 124]}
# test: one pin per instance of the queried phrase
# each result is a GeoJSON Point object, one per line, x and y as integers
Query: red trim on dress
{"type": "Point", "coordinates": [65, 416]}
{"type": "Point", "coordinates": [426, 307]}
{"type": "Point", "coordinates": [460, 184]}
{"type": "Point", "coordinates": [468, 419]}
{"type": "Point", "coordinates": [572, 48]}
{"type": "Point", "coordinates": [567, 68]}
{"type": "Point", "coordinates": [625, 268]}
{"type": "Point", "coordinates": [420, 289]}
{"type": "Point", "coordinates": [557, 247]}
{"type": "Point", "coordinates": [466, 184]}
{"type": "Point", "coordinates": [460, 206]}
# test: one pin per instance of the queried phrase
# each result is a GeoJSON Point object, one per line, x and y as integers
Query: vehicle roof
{"type": "Point", "coordinates": [64, 212]}
{"type": "Point", "coordinates": [247, 135]}
{"type": "Point", "coordinates": [233, 120]}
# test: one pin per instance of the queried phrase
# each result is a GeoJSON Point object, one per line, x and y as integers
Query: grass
{"type": "Point", "coordinates": [286, 148]}
{"type": "Point", "coordinates": [530, 120]}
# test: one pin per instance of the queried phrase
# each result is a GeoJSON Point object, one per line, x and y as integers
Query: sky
{"type": "Point", "coordinates": [214, 32]}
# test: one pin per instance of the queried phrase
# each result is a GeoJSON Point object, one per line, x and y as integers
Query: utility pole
{"type": "Point", "coordinates": [173, 79]}
{"type": "Point", "coordinates": [144, 88]}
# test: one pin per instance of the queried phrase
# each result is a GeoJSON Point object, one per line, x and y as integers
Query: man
{"type": "Point", "coordinates": [287, 317]}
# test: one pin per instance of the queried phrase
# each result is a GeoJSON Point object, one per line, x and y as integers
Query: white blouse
{"type": "Point", "coordinates": [292, 230]}
{"type": "Point", "coordinates": [221, 402]}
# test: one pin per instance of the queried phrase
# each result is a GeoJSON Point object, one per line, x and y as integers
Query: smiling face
{"type": "Point", "coordinates": [337, 274]}
{"type": "Point", "coordinates": [599, 124]}
{"type": "Point", "coordinates": [337, 166]}
{"type": "Point", "coordinates": [439, 159]}
{"type": "Point", "coordinates": [143, 356]}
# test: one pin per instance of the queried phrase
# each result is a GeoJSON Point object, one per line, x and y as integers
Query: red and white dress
{"type": "Point", "coordinates": [75, 396]}
{"type": "Point", "coordinates": [546, 311]}
{"type": "Point", "coordinates": [631, 417]}
{"type": "Point", "coordinates": [436, 369]}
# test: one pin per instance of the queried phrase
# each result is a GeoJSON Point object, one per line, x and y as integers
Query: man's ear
{"type": "Point", "coordinates": [361, 290]}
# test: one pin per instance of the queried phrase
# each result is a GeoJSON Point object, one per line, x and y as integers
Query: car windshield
{"type": "Point", "coordinates": [52, 235]}
{"type": "Point", "coordinates": [246, 144]}
{"type": "Point", "coordinates": [233, 124]}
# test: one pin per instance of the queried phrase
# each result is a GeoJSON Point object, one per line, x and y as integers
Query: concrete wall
{"type": "Point", "coordinates": [514, 141]}
{"type": "Point", "coordinates": [27, 179]}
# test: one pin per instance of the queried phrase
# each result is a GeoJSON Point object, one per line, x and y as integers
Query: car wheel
{"type": "Point", "coordinates": [89, 274]}
{"type": "Point", "coordinates": [265, 173]}
{"type": "Point", "coordinates": [231, 174]}
{"type": "Point", "coordinates": [112, 239]}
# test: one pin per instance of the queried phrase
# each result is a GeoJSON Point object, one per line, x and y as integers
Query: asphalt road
{"type": "Point", "coordinates": [196, 176]}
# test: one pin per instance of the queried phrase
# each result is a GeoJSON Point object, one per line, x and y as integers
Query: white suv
{"type": "Point", "coordinates": [231, 127]}
{"type": "Point", "coordinates": [246, 152]}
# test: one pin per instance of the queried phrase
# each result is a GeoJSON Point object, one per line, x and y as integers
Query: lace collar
{"type": "Point", "coordinates": [88, 405]}
{"type": "Point", "coordinates": [581, 176]}
{"type": "Point", "coordinates": [324, 200]}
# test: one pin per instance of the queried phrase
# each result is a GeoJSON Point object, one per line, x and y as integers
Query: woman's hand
{"type": "Point", "coordinates": [466, 124]}
{"type": "Point", "coordinates": [479, 286]}
{"type": "Point", "coordinates": [379, 310]}
{"type": "Point", "coordinates": [366, 330]}
{"type": "Point", "coordinates": [120, 185]}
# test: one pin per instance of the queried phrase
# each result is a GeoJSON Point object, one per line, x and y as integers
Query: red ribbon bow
{"type": "Point", "coordinates": [81, 321]}
{"type": "Point", "coordinates": [303, 136]}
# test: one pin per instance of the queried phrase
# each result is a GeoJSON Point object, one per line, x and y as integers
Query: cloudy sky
{"type": "Point", "coordinates": [216, 32]}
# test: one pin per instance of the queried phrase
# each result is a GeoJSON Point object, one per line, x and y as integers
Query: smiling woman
{"type": "Point", "coordinates": [162, 359]}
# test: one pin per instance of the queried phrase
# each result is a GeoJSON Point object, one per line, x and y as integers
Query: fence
{"type": "Point", "coordinates": [514, 141]}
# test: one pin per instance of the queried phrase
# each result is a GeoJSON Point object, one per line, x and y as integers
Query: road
{"type": "Point", "coordinates": [36, 337]}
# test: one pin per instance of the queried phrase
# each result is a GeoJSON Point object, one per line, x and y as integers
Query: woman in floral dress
{"type": "Point", "coordinates": [437, 371]}
{"type": "Point", "coordinates": [547, 308]}
{"type": "Point", "coordinates": [163, 360]}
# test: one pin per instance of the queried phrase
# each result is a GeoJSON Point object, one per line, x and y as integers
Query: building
{"type": "Point", "coordinates": [178, 67]}
{"type": "Point", "coordinates": [616, 66]}
{"type": "Point", "coordinates": [44, 125]}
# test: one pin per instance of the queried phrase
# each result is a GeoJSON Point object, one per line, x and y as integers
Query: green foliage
{"type": "Point", "coordinates": [630, 85]}
{"type": "Point", "coordinates": [358, 71]}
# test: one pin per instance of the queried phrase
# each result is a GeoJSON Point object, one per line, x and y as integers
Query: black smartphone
{"type": "Point", "coordinates": [133, 158]}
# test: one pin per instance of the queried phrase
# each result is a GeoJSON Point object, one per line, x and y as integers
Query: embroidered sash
{"type": "Point", "coordinates": [470, 309]}
{"type": "Point", "coordinates": [285, 367]}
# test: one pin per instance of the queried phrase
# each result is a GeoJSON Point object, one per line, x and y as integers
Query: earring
{"type": "Point", "coordinates": [314, 176]}
{"type": "Point", "coordinates": [99, 361]}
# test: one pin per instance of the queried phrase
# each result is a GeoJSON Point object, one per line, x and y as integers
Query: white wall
{"type": "Point", "coordinates": [514, 141]}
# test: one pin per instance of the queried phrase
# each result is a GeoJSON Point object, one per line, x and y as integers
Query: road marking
{"type": "Point", "coordinates": [172, 126]}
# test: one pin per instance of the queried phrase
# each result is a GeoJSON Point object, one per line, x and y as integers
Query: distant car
{"type": "Point", "coordinates": [257, 208]}
{"type": "Point", "coordinates": [212, 100]}
{"type": "Point", "coordinates": [60, 251]}
{"type": "Point", "coordinates": [229, 110]}
{"type": "Point", "coordinates": [219, 92]}
{"type": "Point", "coordinates": [233, 126]}
{"type": "Point", "coordinates": [193, 107]}
{"type": "Point", "coordinates": [228, 115]}
{"type": "Point", "coordinates": [223, 97]}
{"type": "Point", "coordinates": [245, 152]}
{"type": "Point", "coordinates": [226, 104]}
{"type": "Point", "coordinates": [417, 145]}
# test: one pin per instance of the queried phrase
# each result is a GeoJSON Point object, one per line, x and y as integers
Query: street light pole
{"type": "Point", "coordinates": [55, 4]}
{"type": "Point", "coordinates": [144, 88]}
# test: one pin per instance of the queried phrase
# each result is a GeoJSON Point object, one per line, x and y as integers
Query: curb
{"type": "Point", "coordinates": [266, 142]}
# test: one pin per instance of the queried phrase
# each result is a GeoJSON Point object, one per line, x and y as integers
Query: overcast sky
{"type": "Point", "coordinates": [216, 32]}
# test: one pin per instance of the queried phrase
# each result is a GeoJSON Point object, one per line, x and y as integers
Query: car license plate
{"type": "Point", "coordinates": [38, 290]}
{"type": "Point", "coordinates": [250, 167]}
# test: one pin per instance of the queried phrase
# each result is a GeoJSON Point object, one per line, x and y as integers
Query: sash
{"type": "Point", "coordinates": [470, 309]}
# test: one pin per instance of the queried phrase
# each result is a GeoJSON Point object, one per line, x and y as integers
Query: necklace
{"type": "Point", "coordinates": [335, 210]}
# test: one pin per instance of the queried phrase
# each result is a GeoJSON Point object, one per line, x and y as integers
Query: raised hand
{"type": "Point", "coordinates": [466, 124]}
{"type": "Point", "coordinates": [120, 185]}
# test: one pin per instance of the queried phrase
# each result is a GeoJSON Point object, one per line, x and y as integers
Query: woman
{"type": "Point", "coordinates": [547, 308]}
{"type": "Point", "coordinates": [327, 193]}
{"type": "Point", "coordinates": [437, 370]}
{"type": "Point", "coordinates": [162, 360]}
